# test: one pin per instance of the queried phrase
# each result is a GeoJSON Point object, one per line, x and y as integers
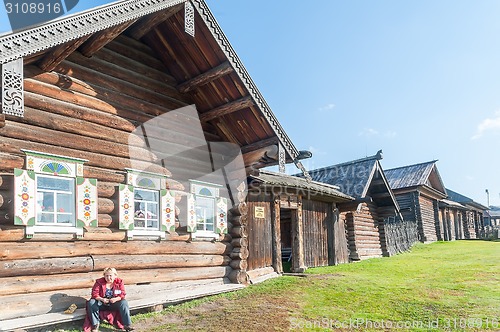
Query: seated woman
{"type": "Point", "coordinates": [108, 293]}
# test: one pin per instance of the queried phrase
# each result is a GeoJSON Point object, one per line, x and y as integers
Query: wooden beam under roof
{"type": "Point", "coordinates": [52, 59]}
{"type": "Point", "coordinates": [205, 78]}
{"type": "Point", "coordinates": [228, 108]}
{"type": "Point", "coordinates": [100, 39]}
{"type": "Point", "coordinates": [145, 24]}
{"type": "Point", "coordinates": [259, 144]}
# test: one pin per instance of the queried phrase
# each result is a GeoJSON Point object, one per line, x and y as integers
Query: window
{"type": "Point", "coordinates": [147, 208]}
{"type": "Point", "coordinates": [51, 195]}
{"type": "Point", "coordinates": [55, 200]}
{"type": "Point", "coordinates": [207, 211]}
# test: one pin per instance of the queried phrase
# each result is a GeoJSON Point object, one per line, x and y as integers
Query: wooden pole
{"type": "Point", "coordinates": [276, 235]}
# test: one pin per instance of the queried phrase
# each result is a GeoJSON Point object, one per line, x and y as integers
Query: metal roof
{"type": "Point", "coordinates": [409, 176]}
{"type": "Point", "coordinates": [454, 196]}
{"type": "Point", "coordinates": [311, 188]}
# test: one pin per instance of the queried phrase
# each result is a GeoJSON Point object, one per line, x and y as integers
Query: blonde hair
{"type": "Point", "coordinates": [110, 269]}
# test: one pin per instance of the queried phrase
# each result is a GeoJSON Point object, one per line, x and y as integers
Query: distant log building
{"type": "Point", "coordinates": [374, 223]}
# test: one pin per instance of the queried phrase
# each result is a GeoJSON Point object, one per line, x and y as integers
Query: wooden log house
{"type": "Point", "coordinates": [451, 220]}
{"type": "Point", "coordinates": [294, 219]}
{"type": "Point", "coordinates": [418, 189]}
{"type": "Point", "coordinates": [375, 227]}
{"type": "Point", "coordinates": [120, 137]}
{"type": "Point", "coordinates": [473, 221]}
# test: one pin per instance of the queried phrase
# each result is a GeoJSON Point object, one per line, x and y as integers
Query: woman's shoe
{"type": "Point", "coordinates": [95, 328]}
{"type": "Point", "coordinates": [129, 328]}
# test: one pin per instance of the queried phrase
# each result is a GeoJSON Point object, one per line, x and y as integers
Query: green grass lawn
{"type": "Point", "coordinates": [444, 284]}
{"type": "Point", "coordinates": [452, 286]}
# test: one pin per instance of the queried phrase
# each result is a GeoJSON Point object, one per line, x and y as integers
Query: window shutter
{"type": "Point", "coordinates": [221, 216]}
{"type": "Point", "coordinates": [167, 214]}
{"type": "Point", "coordinates": [191, 215]}
{"type": "Point", "coordinates": [25, 198]}
{"type": "Point", "coordinates": [126, 210]}
{"type": "Point", "coordinates": [86, 202]}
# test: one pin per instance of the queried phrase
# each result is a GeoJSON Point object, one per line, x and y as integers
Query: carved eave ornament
{"type": "Point", "coordinates": [79, 28]}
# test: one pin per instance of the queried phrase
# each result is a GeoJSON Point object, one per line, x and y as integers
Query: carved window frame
{"type": "Point", "coordinates": [27, 206]}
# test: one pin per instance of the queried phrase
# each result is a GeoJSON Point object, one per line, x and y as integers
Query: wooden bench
{"type": "Point", "coordinates": [161, 294]}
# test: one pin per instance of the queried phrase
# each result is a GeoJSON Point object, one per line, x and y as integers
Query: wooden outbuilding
{"type": "Point", "coordinates": [375, 227]}
{"type": "Point", "coordinates": [418, 189]}
{"type": "Point", "coordinates": [452, 216]}
{"type": "Point", "coordinates": [294, 218]}
{"type": "Point", "coordinates": [126, 134]}
{"type": "Point", "coordinates": [473, 222]}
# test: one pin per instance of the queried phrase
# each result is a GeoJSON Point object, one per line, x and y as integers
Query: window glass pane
{"type": "Point", "coordinates": [152, 211]}
{"type": "Point", "coordinates": [64, 219]}
{"type": "Point", "coordinates": [65, 203]}
{"type": "Point", "coordinates": [55, 200]}
{"type": "Point", "coordinates": [205, 209]}
{"type": "Point", "coordinates": [146, 195]}
{"type": "Point", "coordinates": [59, 184]}
{"type": "Point", "coordinates": [45, 201]}
{"type": "Point", "coordinates": [146, 209]}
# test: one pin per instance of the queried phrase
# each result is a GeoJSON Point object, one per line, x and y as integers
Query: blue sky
{"type": "Point", "coordinates": [418, 79]}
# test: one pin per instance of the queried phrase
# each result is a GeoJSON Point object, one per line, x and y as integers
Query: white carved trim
{"type": "Point", "coordinates": [17, 45]}
{"type": "Point", "coordinates": [145, 233]}
{"type": "Point", "coordinates": [236, 63]}
{"type": "Point", "coordinates": [60, 229]}
{"type": "Point", "coordinates": [189, 18]}
{"type": "Point", "coordinates": [12, 88]}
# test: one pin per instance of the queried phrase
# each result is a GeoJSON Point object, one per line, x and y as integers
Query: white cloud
{"type": "Point", "coordinates": [369, 132]}
{"type": "Point", "coordinates": [327, 107]}
{"type": "Point", "coordinates": [390, 134]}
{"type": "Point", "coordinates": [488, 125]}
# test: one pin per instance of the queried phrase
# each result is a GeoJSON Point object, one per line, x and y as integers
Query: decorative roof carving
{"type": "Point", "coordinates": [235, 61]}
{"type": "Point", "coordinates": [20, 44]}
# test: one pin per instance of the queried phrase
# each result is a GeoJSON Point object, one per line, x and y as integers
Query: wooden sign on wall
{"type": "Point", "coordinates": [259, 212]}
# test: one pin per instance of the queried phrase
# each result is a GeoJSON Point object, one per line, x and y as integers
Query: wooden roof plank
{"type": "Point", "coordinates": [100, 39]}
{"type": "Point", "coordinates": [145, 24]}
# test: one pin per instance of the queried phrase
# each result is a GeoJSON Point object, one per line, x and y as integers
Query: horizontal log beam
{"type": "Point", "coordinates": [226, 109]}
{"type": "Point", "coordinates": [8, 161]}
{"type": "Point", "coordinates": [259, 145]}
{"type": "Point", "coordinates": [28, 250]}
{"type": "Point", "coordinates": [50, 61]}
{"type": "Point", "coordinates": [145, 24]}
{"type": "Point", "coordinates": [36, 284]}
{"type": "Point", "coordinates": [205, 78]}
{"type": "Point", "coordinates": [100, 39]}
{"type": "Point", "coordinates": [2, 120]}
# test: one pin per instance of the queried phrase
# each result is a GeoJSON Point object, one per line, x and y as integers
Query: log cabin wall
{"type": "Point", "coordinates": [317, 219]}
{"type": "Point", "coordinates": [427, 220]}
{"type": "Point", "coordinates": [260, 239]}
{"type": "Point", "coordinates": [408, 204]}
{"type": "Point", "coordinates": [363, 232]}
{"type": "Point", "coordinates": [341, 245]}
{"type": "Point", "coordinates": [87, 108]}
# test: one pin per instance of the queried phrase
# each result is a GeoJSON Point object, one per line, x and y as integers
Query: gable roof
{"type": "Point", "coordinates": [205, 66]}
{"type": "Point", "coordinates": [462, 199]}
{"type": "Point", "coordinates": [301, 185]}
{"type": "Point", "coordinates": [418, 175]}
{"type": "Point", "coordinates": [355, 178]}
